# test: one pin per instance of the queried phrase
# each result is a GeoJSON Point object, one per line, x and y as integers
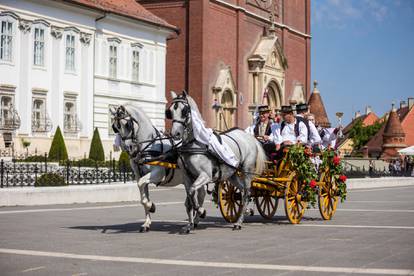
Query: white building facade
{"type": "Point", "coordinates": [64, 64]}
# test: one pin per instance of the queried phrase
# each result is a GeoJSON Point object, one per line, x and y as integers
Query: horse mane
{"type": "Point", "coordinates": [137, 112]}
{"type": "Point", "coordinates": [194, 107]}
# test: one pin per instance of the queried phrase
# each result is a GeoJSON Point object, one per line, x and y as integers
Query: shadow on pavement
{"type": "Point", "coordinates": [175, 227]}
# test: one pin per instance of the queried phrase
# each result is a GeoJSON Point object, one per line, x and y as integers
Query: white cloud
{"type": "Point", "coordinates": [339, 13]}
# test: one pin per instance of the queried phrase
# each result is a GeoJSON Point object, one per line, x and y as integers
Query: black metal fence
{"type": "Point", "coordinates": [16, 174]}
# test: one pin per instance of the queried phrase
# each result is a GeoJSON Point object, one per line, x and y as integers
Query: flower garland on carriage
{"type": "Point", "coordinates": [309, 173]}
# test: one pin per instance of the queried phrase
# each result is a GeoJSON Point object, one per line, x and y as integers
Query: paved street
{"type": "Point", "coordinates": [371, 233]}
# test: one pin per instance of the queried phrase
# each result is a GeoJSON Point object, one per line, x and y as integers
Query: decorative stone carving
{"type": "Point", "coordinates": [85, 38]}
{"type": "Point", "coordinates": [114, 39]}
{"type": "Point", "coordinates": [56, 32]}
{"type": "Point", "coordinates": [25, 25]}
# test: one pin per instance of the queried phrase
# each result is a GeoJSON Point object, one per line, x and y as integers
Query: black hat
{"type": "Point", "coordinates": [263, 109]}
{"type": "Point", "coordinates": [301, 107]}
{"type": "Point", "coordinates": [286, 109]}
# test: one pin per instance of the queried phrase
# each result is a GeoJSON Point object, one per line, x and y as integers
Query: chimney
{"type": "Point", "coordinates": [403, 104]}
{"type": "Point", "coordinates": [357, 114]}
{"type": "Point", "coordinates": [368, 109]}
{"type": "Point", "coordinates": [410, 103]}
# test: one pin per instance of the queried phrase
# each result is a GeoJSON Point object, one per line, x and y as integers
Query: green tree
{"type": "Point", "coordinates": [58, 150]}
{"type": "Point", "coordinates": [96, 151]}
{"type": "Point", "coordinates": [361, 134]}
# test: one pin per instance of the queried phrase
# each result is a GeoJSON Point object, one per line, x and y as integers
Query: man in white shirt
{"type": "Point", "coordinates": [328, 135]}
{"type": "Point", "coordinates": [291, 130]}
{"type": "Point", "coordinates": [314, 137]}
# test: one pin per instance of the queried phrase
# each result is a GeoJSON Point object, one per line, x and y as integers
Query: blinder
{"type": "Point", "coordinates": [168, 114]}
{"type": "Point", "coordinates": [115, 129]}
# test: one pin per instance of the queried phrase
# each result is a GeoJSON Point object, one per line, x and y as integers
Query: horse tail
{"type": "Point", "coordinates": [260, 158]}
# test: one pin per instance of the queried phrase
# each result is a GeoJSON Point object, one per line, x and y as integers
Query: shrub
{"type": "Point", "coordinates": [86, 162]}
{"type": "Point", "coordinates": [123, 161]}
{"type": "Point", "coordinates": [58, 150]}
{"type": "Point", "coordinates": [96, 151]}
{"type": "Point", "coordinates": [33, 158]}
{"type": "Point", "coordinates": [49, 180]}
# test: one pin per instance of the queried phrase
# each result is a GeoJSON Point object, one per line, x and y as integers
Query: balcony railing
{"type": "Point", "coordinates": [9, 120]}
{"type": "Point", "coordinates": [41, 124]}
{"type": "Point", "coordinates": [72, 125]}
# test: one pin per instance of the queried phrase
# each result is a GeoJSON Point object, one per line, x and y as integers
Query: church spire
{"type": "Point", "coordinates": [317, 108]}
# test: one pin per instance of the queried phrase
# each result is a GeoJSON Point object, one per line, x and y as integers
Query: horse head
{"type": "Point", "coordinates": [180, 113]}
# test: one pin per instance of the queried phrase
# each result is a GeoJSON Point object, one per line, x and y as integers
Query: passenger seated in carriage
{"type": "Point", "coordinates": [314, 139]}
{"type": "Point", "coordinates": [289, 132]}
{"type": "Point", "coordinates": [262, 130]}
{"type": "Point", "coordinates": [328, 135]}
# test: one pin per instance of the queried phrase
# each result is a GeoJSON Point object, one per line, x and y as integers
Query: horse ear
{"type": "Point", "coordinates": [173, 94]}
{"type": "Point", "coordinates": [185, 94]}
{"type": "Point", "coordinates": [112, 109]}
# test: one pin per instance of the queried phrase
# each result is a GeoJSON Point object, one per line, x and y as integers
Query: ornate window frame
{"type": "Point", "coordinates": [7, 17]}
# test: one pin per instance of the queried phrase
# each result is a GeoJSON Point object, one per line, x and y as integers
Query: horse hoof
{"type": "Point", "coordinates": [236, 227]}
{"type": "Point", "coordinates": [153, 208]}
{"type": "Point", "coordinates": [203, 214]}
{"type": "Point", "coordinates": [195, 225]}
{"type": "Point", "coordinates": [251, 212]}
{"type": "Point", "coordinates": [144, 229]}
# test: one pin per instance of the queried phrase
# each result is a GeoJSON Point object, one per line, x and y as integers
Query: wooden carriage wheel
{"type": "Point", "coordinates": [294, 204]}
{"type": "Point", "coordinates": [230, 201]}
{"type": "Point", "coordinates": [327, 198]}
{"type": "Point", "coordinates": [266, 205]}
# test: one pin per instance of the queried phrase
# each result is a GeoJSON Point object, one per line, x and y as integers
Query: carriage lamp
{"type": "Point", "coordinates": [339, 116]}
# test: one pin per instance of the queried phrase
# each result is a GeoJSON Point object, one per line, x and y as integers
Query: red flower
{"type": "Point", "coordinates": [308, 152]}
{"type": "Point", "coordinates": [312, 183]}
{"type": "Point", "coordinates": [342, 178]}
{"type": "Point", "coordinates": [336, 160]}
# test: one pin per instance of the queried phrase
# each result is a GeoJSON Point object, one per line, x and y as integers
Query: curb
{"type": "Point", "coordinates": [118, 192]}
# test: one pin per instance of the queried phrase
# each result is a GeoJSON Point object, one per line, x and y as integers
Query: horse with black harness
{"type": "Point", "coordinates": [153, 155]}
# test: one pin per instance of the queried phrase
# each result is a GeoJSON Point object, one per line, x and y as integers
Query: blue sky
{"type": "Point", "coordinates": [362, 54]}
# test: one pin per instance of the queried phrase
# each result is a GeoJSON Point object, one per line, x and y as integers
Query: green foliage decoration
{"type": "Point", "coordinates": [332, 160]}
{"type": "Point", "coordinates": [299, 158]}
{"type": "Point", "coordinates": [58, 150]}
{"type": "Point", "coordinates": [96, 151]}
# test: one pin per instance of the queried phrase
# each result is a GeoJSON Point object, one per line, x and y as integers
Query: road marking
{"type": "Point", "coordinates": [382, 271]}
{"type": "Point", "coordinates": [357, 226]}
{"type": "Point", "coordinates": [380, 189]}
{"type": "Point", "coordinates": [87, 208]}
{"type": "Point", "coordinates": [379, 201]}
{"type": "Point", "coordinates": [33, 269]}
{"type": "Point", "coordinates": [369, 210]}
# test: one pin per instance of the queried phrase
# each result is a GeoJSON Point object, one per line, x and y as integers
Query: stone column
{"type": "Point", "coordinates": [55, 97]}
{"type": "Point", "coordinates": [25, 95]}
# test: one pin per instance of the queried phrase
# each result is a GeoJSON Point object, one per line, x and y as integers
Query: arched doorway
{"type": "Point", "coordinates": [226, 117]}
{"type": "Point", "coordinates": [273, 97]}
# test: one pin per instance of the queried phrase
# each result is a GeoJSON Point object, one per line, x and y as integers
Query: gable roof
{"type": "Point", "coordinates": [127, 8]}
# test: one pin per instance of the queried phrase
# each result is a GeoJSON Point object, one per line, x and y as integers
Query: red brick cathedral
{"type": "Point", "coordinates": [234, 54]}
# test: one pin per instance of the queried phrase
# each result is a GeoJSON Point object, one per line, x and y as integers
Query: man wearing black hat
{"type": "Point", "coordinates": [292, 130]}
{"type": "Point", "coordinates": [263, 129]}
{"type": "Point", "coordinates": [313, 135]}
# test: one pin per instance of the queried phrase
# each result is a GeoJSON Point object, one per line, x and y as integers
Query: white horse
{"type": "Point", "coordinates": [144, 142]}
{"type": "Point", "coordinates": [202, 167]}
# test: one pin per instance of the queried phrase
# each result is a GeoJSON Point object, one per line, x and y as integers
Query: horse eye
{"type": "Point", "coordinates": [175, 106]}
